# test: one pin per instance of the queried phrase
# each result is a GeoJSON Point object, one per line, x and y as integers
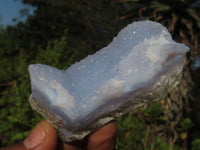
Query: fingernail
{"type": "Point", "coordinates": [36, 137]}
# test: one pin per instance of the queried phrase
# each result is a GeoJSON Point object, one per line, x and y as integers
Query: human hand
{"type": "Point", "coordinates": [44, 137]}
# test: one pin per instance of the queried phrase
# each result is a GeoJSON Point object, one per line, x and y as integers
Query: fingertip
{"type": "Point", "coordinates": [52, 137]}
{"type": "Point", "coordinates": [103, 138]}
{"type": "Point", "coordinates": [43, 136]}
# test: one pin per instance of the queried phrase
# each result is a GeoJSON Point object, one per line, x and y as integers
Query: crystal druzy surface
{"type": "Point", "coordinates": [140, 65]}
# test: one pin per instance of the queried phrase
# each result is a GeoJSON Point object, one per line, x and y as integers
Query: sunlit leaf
{"type": "Point", "coordinates": [156, 4]}
{"type": "Point", "coordinates": [158, 18]}
{"type": "Point", "coordinates": [173, 22]}
{"type": "Point", "coordinates": [161, 8]}
{"type": "Point", "coordinates": [193, 14]}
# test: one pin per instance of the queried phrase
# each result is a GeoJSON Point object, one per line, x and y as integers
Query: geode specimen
{"type": "Point", "coordinates": [140, 65]}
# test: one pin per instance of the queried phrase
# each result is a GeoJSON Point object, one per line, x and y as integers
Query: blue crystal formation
{"type": "Point", "coordinates": [140, 65]}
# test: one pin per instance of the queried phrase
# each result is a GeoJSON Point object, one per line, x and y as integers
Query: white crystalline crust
{"type": "Point", "coordinates": [140, 65]}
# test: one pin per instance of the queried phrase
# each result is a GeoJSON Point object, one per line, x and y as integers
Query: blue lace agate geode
{"type": "Point", "coordinates": [140, 65]}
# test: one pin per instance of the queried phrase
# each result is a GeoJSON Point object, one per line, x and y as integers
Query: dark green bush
{"type": "Point", "coordinates": [16, 116]}
{"type": "Point", "coordinates": [196, 144]}
{"type": "Point", "coordinates": [133, 133]}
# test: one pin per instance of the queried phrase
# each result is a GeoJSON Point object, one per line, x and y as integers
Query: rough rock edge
{"type": "Point", "coordinates": [57, 123]}
{"type": "Point", "coordinates": [139, 101]}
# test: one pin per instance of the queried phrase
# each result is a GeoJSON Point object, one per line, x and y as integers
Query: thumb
{"type": "Point", "coordinates": [42, 137]}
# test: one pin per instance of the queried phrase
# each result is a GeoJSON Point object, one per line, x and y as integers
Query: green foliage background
{"type": "Point", "coordinates": [62, 32]}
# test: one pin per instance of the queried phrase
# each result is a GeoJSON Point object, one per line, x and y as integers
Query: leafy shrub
{"type": "Point", "coordinates": [186, 124]}
{"type": "Point", "coordinates": [16, 116]}
{"type": "Point", "coordinates": [131, 133]}
{"type": "Point", "coordinates": [135, 134]}
{"type": "Point", "coordinates": [196, 144]}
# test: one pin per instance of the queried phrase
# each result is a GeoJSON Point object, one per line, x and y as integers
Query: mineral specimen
{"type": "Point", "coordinates": [140, 65]}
